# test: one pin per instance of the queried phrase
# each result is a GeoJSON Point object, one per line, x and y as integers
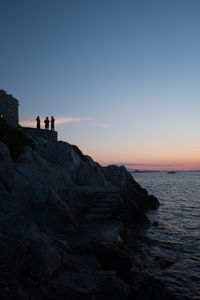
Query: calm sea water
{"type": "Point", "coordinates": [174, 245]}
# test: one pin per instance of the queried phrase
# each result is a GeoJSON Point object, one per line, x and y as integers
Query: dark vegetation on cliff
{"type": "Point", "coordinates": [14, 140]}
{"type": "Point", "coordinates": [67, 224]}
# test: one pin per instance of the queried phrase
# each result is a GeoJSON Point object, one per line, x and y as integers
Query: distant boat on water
{"type": "Point", "coordinates": [171, 172]}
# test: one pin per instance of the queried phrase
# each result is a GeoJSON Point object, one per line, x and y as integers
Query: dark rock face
{"type": "Point", "coordinates": [13, 139]}
{"type": "Point", "coordinates": [113, 258]}
{"type": "Point", "coordinates": [112, 289]}
{"type": "Point", "coordinates": [151, 288]}
{"type": "Point", "coordinates": [61, 215]}
{"type": "Point", "coordinates": [155, 223]}
{"type": "Point", "coordinates": [9, 108]}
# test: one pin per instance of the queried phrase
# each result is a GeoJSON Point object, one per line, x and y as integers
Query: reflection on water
{"type": "Point", "coordinates": [177, 238]}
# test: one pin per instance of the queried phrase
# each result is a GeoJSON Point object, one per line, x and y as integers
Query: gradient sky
{"type": "Point", "coordinates": [121, 77]}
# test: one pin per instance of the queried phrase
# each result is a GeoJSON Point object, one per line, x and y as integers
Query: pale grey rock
{"type": "Point", "coordinates": [91, 175]}
{"type": "Point", "coordinates": [117, 175]}
{"type": "Point", "coordinates": [59, 153]}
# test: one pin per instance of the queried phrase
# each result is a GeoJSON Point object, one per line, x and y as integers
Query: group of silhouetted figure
{"type": "Point", "coordinates": [46, 122]}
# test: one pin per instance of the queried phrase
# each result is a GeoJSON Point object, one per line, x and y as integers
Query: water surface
{"type": "Point", "coordinates": [175, 244]}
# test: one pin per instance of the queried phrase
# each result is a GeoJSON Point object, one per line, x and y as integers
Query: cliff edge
{"type": "Point", "coordinates": [63, 221]}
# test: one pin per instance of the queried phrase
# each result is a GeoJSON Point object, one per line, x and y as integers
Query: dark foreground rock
{"type": "Point", "coordinates": [151, 288]}
{"type": "Point", "coordinates": [62, 216]}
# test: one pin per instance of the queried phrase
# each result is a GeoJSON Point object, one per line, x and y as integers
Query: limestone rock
{"type": "Point", "coordinates": [55, 204]}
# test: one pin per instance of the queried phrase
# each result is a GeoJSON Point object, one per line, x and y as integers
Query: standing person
{"type": "Point", "coordinates": [46, 122]}
{"type": "Point", "coordinates": [52, 123]}
{"type": "Point", "coordinates": [38, 122]}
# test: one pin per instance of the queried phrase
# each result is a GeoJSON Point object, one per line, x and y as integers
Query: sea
{"type": "Point", "coordinates": [174, 245]}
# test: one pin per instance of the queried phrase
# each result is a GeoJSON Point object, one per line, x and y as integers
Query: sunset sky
{"type": "Point", "coordinates": [121, 77]}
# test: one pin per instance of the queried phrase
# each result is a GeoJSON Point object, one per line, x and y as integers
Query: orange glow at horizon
{"type": "Point", "coordinates": [144, 154]}
{"type": "Point", "coordinates": [181, 166]}
{"type": "Point", "coordinates": [185, 160]}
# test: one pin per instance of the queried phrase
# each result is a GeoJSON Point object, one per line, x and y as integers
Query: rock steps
{"type": "Point", "coordinates": [101, 209]}
{"type": "Point", "coordinates": [98, 224]}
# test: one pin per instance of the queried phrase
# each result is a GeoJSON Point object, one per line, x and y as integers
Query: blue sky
{"type": "Point", "coordinates": [126, 72]}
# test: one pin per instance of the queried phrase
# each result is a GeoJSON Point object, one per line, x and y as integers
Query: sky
{"type": "Point", "coordinates": [121, 77]}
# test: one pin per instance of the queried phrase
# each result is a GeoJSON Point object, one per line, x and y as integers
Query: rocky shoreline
{"type": "Point", "coordinates": [69, 227]}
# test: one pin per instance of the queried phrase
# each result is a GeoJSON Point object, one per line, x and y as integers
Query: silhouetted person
{"type": "Point", "coordinates": [38, 122]}
{"type": "Point", "coordinates": [46, 122]}
{"type": "Point", "coordinates": [52, 123]}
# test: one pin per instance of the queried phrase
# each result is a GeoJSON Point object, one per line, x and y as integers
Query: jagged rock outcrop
{"type": "Point", "coordinates": [60, 213]}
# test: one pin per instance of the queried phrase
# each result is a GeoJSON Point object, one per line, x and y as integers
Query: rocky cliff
{"type": "Point", "coordinates": [64, 221]}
